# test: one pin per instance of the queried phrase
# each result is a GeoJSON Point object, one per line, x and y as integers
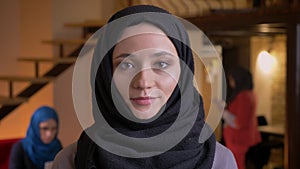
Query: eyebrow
{"type": "Point", "coordinates": [157, 54]}
{"type": "Point", "coordinates": [162, 53]}
{"type": "Point", "coordinates": [123, 55]}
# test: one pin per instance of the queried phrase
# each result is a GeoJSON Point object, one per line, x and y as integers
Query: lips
{"type": "Point", "coordinates": [143, 100]}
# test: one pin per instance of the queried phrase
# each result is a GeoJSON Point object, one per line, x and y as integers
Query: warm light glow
{"type": "Point", "coordinates": [266, 62]}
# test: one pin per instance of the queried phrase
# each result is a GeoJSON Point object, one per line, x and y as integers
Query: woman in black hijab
{"type": "Point", "coordinates": [146, 110]}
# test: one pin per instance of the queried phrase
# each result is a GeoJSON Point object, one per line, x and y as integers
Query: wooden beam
{"type": "Point", "coordinates": [239, 19]}
{"type": "Point", "coordinates": [65, 41]}
{"type": "Point", "coordinates": [12, 101]}
{"type": "Point", "coordinates": [86, 24]}
{"type": "Point", "coordinates": [292, 152]}
{"type": "Point", "coordinates": [26, 79]}
{"type": "Point", "coordinates": [48, 60]}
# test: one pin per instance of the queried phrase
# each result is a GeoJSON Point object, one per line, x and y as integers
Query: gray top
{"type": "Point", "coordinates": [223, 158]}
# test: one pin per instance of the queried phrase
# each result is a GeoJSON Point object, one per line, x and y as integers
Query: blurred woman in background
{"type": "Point", "coordinates": [240, 123]}
{"type": "Point", "coordinates": [40, 145]}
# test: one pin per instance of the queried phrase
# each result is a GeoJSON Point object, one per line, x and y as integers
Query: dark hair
{"type": "Point", "coordinates": [243, 81]}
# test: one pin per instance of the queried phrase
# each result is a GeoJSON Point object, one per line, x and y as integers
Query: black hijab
{"type": "Point", "coordinates": [185, 105]}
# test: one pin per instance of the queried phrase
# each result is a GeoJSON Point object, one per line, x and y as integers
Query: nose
{"type": "Point", "coordinates": [49, 133]}
{"type": "Point", "coordinates": [144, 79]}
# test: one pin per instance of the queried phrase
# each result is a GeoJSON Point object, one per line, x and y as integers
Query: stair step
{"type": "Point", "coordinates": [86, 24]}
{"type": "Point", "coordinates": [44, 59]}
{"type": "Point", "coordinates": [65, 41]}
{"type": "Point", "coordinates": [12, 101]}
{"type": "Point", "coordinates": [27, 79]}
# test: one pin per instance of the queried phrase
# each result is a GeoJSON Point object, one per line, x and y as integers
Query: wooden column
{"type": "Point", "coordinates": [292, 152]}
{"type": "Point", "coordinates": [129, 2]}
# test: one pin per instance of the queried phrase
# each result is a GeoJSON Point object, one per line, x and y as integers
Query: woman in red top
{"type": "Point", "coordinates": [240, 128]}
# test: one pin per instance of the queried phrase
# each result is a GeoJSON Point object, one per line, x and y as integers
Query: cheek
{"type": "Point", "coordinates": [168, 85]}
{"type": "Point", "coordinates": [43, 138]}
{"type": "Point", "coordinates": [169, 81]}
{"type": "Point", "coordinates": [122, 83]}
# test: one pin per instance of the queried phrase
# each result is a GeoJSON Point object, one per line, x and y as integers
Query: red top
{"type": "Point", "coordinates": [246, 133]}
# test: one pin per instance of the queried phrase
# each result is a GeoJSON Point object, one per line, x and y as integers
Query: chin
{"type": "Point", "coordinates": [47, 141]}
{"type": "Point", "coordinates": [144, 114]}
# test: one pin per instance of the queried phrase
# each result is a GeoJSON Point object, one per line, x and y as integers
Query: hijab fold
{"type": "Point", "coordinates": [185, 103]}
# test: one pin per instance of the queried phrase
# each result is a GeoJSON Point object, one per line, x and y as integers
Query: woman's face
{"type": "Point", "coordinates": [231, 81]}
{"type": "Point", "coordinates": [48, 130]}
{"type": "Point", "coordinates": [146, 69]}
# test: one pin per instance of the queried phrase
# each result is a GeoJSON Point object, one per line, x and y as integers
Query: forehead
{"type": "Point", "coordinates": [139, 29]}
{"type": "Point", "coordinates": [143, 36]}
{"type": "Point", "coordinates": [49, 122]}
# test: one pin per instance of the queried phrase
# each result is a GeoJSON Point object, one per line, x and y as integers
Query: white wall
{"type": "Point", "coordinates": [23, 25]}
{"type": "Point", "coordinates": [9, 33]}
{"type": "Point", "coordinates": [262, 82]}
{"type": "Point", "coordinates": [68, 11]}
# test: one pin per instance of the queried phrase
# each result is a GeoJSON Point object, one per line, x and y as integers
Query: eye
{"type": "Point", "coordinates": [161, 65]}
{"type": "Point", "coordinates": [126, 65]}
{"type": "Point", "coordinates": [48, 129]}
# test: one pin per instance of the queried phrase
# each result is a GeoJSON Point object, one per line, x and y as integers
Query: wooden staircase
{"type": "Point", "coordinates": [37, 82]}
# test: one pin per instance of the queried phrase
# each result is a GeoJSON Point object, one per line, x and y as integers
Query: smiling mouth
{"type": "Point", "coordinates": [143, 100]}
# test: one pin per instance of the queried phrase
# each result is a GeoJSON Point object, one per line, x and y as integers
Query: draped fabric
{"type": "Point", "coordinates": [185, 104]}
{"type": "Point", "coordinates": [38, 152]}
